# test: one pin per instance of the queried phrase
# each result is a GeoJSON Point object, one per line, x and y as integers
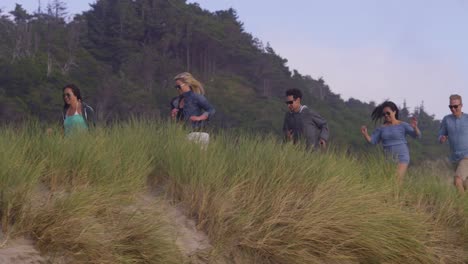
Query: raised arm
{"type": "Point", "coordinates": [365, 134]}
{"type": "Point", "coordinates": [413, 129]}
{"type": "Point", "coordinates": [374, 138]}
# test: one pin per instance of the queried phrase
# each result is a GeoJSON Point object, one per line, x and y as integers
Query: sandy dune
{"type": "Point", "coordinates": [192, 242]}
{"type": "Point", "coordinates": [20, 251]}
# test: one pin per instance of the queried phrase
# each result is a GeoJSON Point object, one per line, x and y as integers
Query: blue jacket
{"type": "Point", "coordinates": [196, 105]}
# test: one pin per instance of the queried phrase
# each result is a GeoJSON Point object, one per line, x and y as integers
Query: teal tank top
{"type": "Point", "coordinates": [74, 123]}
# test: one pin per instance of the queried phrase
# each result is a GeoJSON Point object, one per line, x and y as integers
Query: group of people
{"type": "Point", "coordinates": [189, 106]}
{"type": "Point", "coordinates": [302, 124]}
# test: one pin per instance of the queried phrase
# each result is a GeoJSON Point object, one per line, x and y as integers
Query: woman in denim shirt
{"type": "Point", "coordinates": [196, 108]}
{"type": "Point", "coordinates": [392, 134]}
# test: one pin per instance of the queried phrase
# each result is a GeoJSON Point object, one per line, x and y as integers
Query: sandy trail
{"type": "Point", "coordinates": [20, 251]}
{"type": "Point", "coordinates": [189, 239]}
{"type": "Point", "coordinates": [193, 243]}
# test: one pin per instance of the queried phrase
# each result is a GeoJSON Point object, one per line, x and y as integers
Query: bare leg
{"type": "Point", "coordinates": [401, 171]}
{"type": "Point", "coordinates": [459, 184]}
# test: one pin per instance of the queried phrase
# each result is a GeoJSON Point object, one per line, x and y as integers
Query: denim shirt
{"type": "Point", "coordinates": [457, 131]}
{"type": "Point", "coordinates": [196, 105]}
{"type": "Point", "coordinates": [393, 135]}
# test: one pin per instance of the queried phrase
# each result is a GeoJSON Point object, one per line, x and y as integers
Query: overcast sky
{"type": "Point", "coordinates": [371, 50]}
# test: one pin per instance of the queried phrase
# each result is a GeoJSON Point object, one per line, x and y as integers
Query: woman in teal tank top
{"type": "Point", "coordinates": [74, 123]}
{"type": "Point", "coordinates": [77, 116]}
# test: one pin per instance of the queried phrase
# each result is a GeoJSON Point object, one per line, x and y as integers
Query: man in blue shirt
{"type": "Point", "coordinates": [454, 128]}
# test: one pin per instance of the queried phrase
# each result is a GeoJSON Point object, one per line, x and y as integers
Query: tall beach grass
{"type": "Point", "coordinates": [259, 201]}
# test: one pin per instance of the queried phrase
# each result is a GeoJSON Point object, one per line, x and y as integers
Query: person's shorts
{"type": "Point", "coordinates": [201, 138]}
{"type": "Point", "coordinates": [398, 153]}
{"type": "Point", "coordinates": [461, 169]}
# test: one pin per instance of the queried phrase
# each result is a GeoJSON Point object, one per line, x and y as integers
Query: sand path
{"type": "Point", "coordinates": [20, 251]}
{"type": "Point", "coordinates": [193, 243]}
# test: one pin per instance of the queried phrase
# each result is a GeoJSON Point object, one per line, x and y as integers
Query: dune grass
{"type": "Point", "coordinates": [285, 205]}
{"type": "Point", "coordinates": [75, 196]}
{"type": "Point", "coordinates": [258, 200]}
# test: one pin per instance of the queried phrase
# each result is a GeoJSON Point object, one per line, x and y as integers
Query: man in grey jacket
{"type": "Point", "coordinates": [302, 122]}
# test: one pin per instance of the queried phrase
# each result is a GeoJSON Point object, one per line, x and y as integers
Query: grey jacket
{"type": "Point", "coordinates": [306, 124]}
{"type": "Point", "coordinates": [87, 111]}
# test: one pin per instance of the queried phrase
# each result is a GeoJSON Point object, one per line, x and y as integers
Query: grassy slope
{"type": "Point", "coordinates": [80, 196]}
{"type": "Point", "coordinates": [259, 201]}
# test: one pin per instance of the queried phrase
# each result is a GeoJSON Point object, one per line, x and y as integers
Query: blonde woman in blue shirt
{"type": "Point", "coordinates": [392, 134]}
{"type": "Point", "coordinates": [196, 108]}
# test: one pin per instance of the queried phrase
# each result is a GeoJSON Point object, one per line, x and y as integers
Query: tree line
{"type": "Point", "coordinates": [123, 55]}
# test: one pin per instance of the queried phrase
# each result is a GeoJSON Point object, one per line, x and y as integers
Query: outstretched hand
{"type": "Point", "coordinates": [443, 139]}
{"type": "Point", "coordinates": [364, 130]}
{"type": "Point", "coordinates": [414, 122]}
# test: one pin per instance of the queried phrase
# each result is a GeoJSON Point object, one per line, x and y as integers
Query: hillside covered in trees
{"type": "Point", "coordinates": [123, 54]}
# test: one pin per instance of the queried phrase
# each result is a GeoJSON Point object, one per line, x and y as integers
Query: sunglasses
{"type": "Point", "coordinates": [179, 86]}
{"type": "Point", "coordinates": [386, 114]}
{"type": "Point", "coordinates": [67, 95]}
{"type": "Point", "coordinates": [453, 106]}
{"type": "Point", "coordinates": [289, 102]}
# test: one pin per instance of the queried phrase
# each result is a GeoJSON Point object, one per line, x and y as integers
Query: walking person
{"type": "Point", "coordinates": [303, 124]}
{"type": "Point", "coordinates": [454, 129]}
{"type": "Point", "coordinates": [77, 115]}
{"type": "Point", "coordinates": [392, 134]}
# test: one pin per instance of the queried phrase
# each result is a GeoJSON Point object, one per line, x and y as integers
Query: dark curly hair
{"type": "Point", "coordinates": [377, 113]}
{"type": "Point", "coordinates": [296, 93]}
{"type": "Point", "coordinates": [75, 91]}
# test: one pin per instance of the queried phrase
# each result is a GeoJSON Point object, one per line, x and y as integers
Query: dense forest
{"type": "Point", "coordinates": [123, 55]}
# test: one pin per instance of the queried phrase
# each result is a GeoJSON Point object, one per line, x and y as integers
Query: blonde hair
{"type": "Point", "coordinates": [455, 97]}
{"type": "Point", "coordinates": [194, 84]}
